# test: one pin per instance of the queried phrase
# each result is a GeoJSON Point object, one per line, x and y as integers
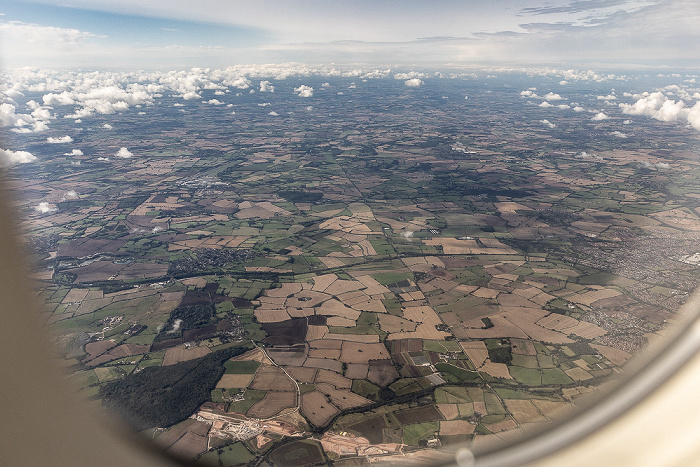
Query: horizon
{"type": "Point", "coordinates": [128, 35]}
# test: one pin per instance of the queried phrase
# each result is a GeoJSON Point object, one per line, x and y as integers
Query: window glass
{"type": "Point", "coordinates": [350, 233]}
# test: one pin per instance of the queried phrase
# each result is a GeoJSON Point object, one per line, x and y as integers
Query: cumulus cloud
{"type": "Point", "coordinates": [528, 93]}
{"type": "Point", "coordinates": [9, 157]}
{"type": "Point", "coordinates": [239, 82]}
{"type": "Point", "coordinates": [215, 102]}
{"type": "Point", "coordinates": [599, 116]}
{"type": "Point", "coordinates": [45, 208]}
{"type": "Point", "coordinates": [190, 95]}
{"type": "Point", "coordinates": [22, 123]}
{"type": "Point", "coordinates": [585, 156]}
{"type": "Point", "coordinates": [41, 113]}
{"type": "Point", "coordinates": [273, 113]}
{"type": "Point", "coordinates": [663, 165]}
{"type": "Point", "coordinates": [578, 108]}
{"type": "Point", "coordinates": [548, 123]}
{"type": "Point", "coordinates": [95, 97]}
{"type": "Point", "coordinates": [266, 86]}
{"type": "Point", "coordinates": [410, 75]}
{"type": "Point", "coordinates": [551, 96]}
{"type": "Point", "coordinates": [74, 152]}
{"type": "Point", "coordinates": [304, 91]}
{"type": "Point", "coordinates": [62, 139]}
{"type": "Point", "coordinates": [103, 159]}
{"type": "Point", "coordinates": [413, 82]}
{"type": "Point", "coordinates": [70, 194]}
{"type": "Point", "coordinates": [545, 104]}
{"type": "Point", "coordinates": [658, 106]}
{"type": "Point", "coordinates": [124, 153]}
{"type": "Point", "coordinates": [609, 97]}
{"type": "Point", "coordinates": [619, 134]}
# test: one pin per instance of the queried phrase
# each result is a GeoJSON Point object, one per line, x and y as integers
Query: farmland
{"type": "Point", "coordinates": [390, 271]}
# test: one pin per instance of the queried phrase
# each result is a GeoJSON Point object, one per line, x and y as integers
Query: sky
{"type": "Point", "coordinates": [160, 34]}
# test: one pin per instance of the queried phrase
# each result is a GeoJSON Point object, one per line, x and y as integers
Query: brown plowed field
{"type": "Point", "coordinates": [181, 354]}
{"type": "Point", "coordinates": [273, 403]}
{"type": "Point", "coordinates": [354, 352]}
{"type": "Point", "coordinates": [428, 413]}
{"type": "Point", "coordinates": [317, 409]}
{"type": "Point", "coordinates": [342, 398]}
{"type": "Point", "coordinates": [272, 378]}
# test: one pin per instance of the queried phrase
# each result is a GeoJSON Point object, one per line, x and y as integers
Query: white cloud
{"type": "Point", "coordinates": [70, 194]}
{"type": "Point", "coordinates": [107, 126]}
{"type": "Point", "coordinates": [413, 82]}
{"type": "Point", "coordinates": [42, 114]}
{"type": "Point", "coordinates": [304, 91]}
{"type": "Point", "coordinates": [563, 106]}
{"type": "Point", "coordinates": [693, 116]}
{"type": "Point", "coordinates": [9, 157]}
{"type": "Point", "coordinates": [190, 95]}
{"type": "Point", "coordinates": [20, 122]}
{"type": "Point", "coordinates": [215, 102]}
{"type": "Point", "coordinates": [273, 113]}
{"type": "Point", "coordinates": [551, 96]}
{"type": "Point", "coordinates": [585, 156]}
{"type": "Point", "coordinates": [45, 208]}
{"type": "Point", "coordinates": [124, 153]}
{"type": "Point", "coordinates": [609, 97]}
{"type": "Point", "coordinates": [74, 152]}
{"type": "Point", "coordinates": [656, 105]}
{"type": "Point", "coordinates": [599, 116]}
{"type": "Point", "coordinates": [466, 98]}
{"type": "Point", "coordinates": [266, 86]}
{"type": "Point", "coordinates": [548, 123]}
{"type": "Point", "coordinates": [528, 93]}
{"type": "Point", "coordinates": [578, 108]}
{"type": "Point", "coordinates": [619, 134]}
{"type": "Point", "coordinates": [545, 104]}
{"type": "Point", "coordinates": [62, 139]}
{"type": "Point", "coordinates": [663, 165]}
{"type": "Point", "coordinates": [239, 82]}
{"type": "Point", "coordinates": [103, 159]}
{"type": "Point", "coordinates": [410, 75]}
{"type": "Point", "coordinates": [101, 96]}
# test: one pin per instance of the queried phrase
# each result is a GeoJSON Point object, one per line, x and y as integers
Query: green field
{"type": "Point", "coordinates": [251, 397]}
{"type": "Point", "coordinates": [527, 376]}
{"type": "Point", "coordinates": [413, 434]}
{"type": "Point", "coordinates": [459, 373]}
{"type": "Point", "coordinates": [245, 367]}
